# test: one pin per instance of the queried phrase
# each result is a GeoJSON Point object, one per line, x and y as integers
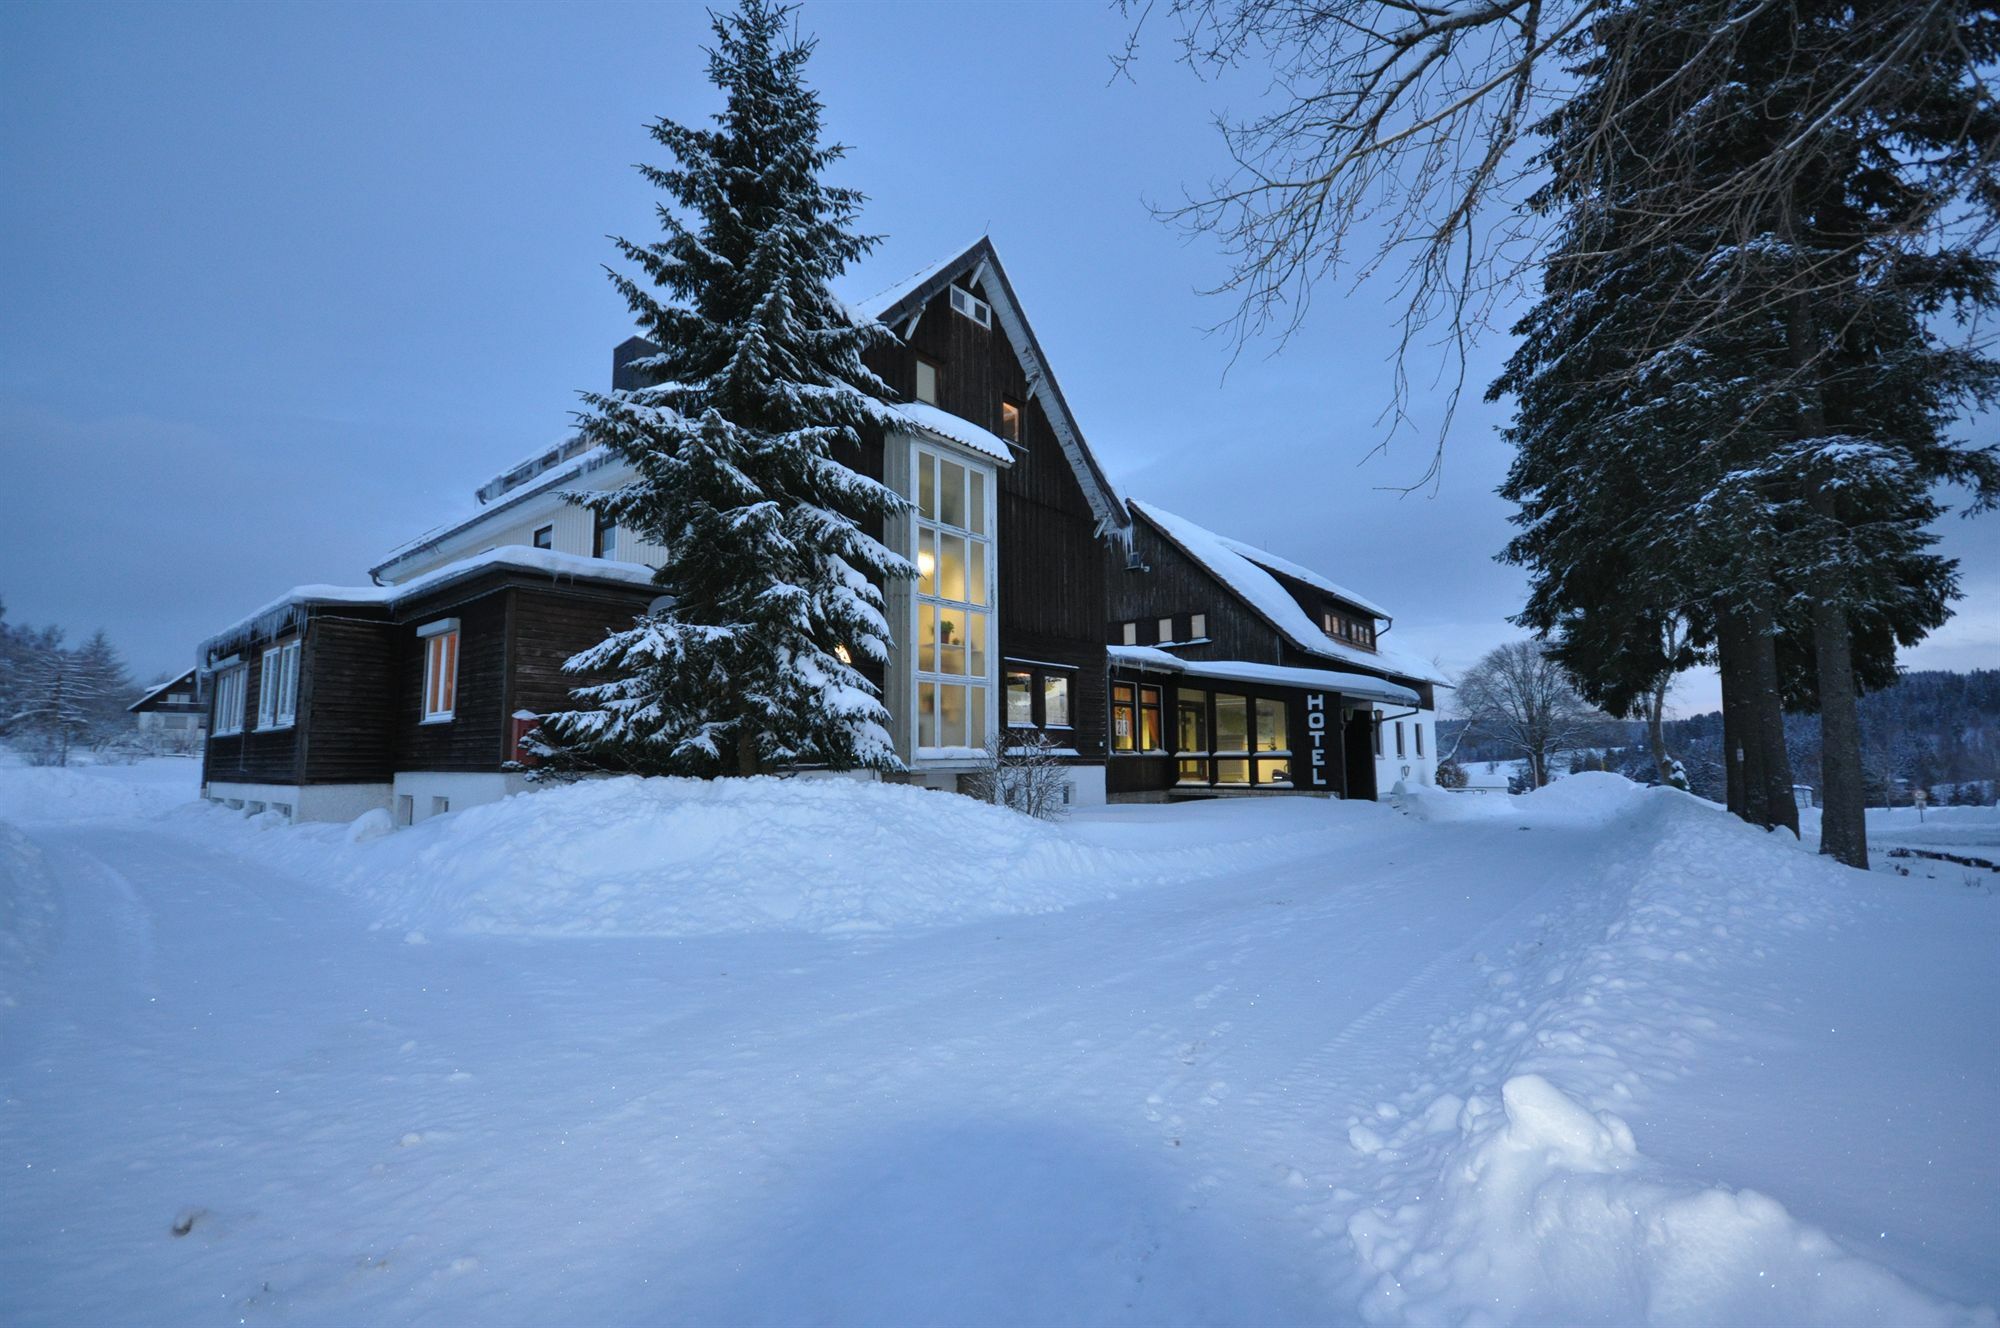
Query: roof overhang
{"type": "Point", "coordinates": [1361, 686]}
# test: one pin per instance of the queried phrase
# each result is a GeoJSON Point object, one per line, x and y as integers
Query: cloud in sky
{"type": "Point", "coordinates": [286, 282]}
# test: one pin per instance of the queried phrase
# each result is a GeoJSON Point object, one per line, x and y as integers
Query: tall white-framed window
{"type": "Point", "coordinates": [440, 669]}
{"type": "Point", "coordinates": [229, 700]}
{"type": "Point", "coordinates": [278, 687]}
{"type": "Point", "coordinates": [956, 673]}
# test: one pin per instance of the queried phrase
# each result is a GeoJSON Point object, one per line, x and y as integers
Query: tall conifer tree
{"type": "Point", "coordinates": [758, 401]}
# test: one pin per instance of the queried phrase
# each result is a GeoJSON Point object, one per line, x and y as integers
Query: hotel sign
{"type": "Point", "coordinates": [1320, 736]}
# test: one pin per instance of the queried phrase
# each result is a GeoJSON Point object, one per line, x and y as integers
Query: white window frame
{"type": "Point", "coordinates": [229, 684]}
{"type": "Point", "coordinates": [441, 640]}
{"type": "Point", "coordinates": [971, 306]}
{"type": "Point", "coordinates": [988, 720]}
{"type": "Point", "coordinates": [278, 687]}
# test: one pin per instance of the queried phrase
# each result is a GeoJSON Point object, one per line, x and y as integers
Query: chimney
{"type": "Point", "coordinates": [624, 377]}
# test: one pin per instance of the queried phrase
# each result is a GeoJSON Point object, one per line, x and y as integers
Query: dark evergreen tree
{"type": "Point", "coordinates": [742, 445]}
{"type": "Point", "coordinates": [103, 688]}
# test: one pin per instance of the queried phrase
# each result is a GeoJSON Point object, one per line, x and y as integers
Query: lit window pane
{"type": "Point", "coordinates": [926, 485]}
{"type": "Point", "coordinates": [951, 640]}
{"type": "Point", "coordinates": [951, 717]}
{"type": "Point", "coordinates": [1124, 723]}
{"type": "Point", "coordinates": [1232, 772]}
{"type": "Point", "coordinates": [1149, 720]}
{"type": "Point", "coordinates": [975, 716]}
{"type": "Point", "coordinates": [951, 567]}
{"type": "Point", "coordinates": [975, 572]}
{"type": "Point", "coordinates": [1232, 724]}
{"type": "Point", "coordinates": [1194, 771]}
{"type": "Point", "coordinates": [926, 638]}
{"type": "Point", "coordinates": [1191, 728]}
{"type": "Point", "coordinates": [1020, 701]}
{"type": "Point", "coordinates": [926, 562]}
{"type": "Point", "coordinates": [1278, 771]}
{"type": "Point", "coordinates": [975, 643]}
{"type": "Point", "coordinates": [1271, 726]}
{"type": "Point", "coordinates": [927, 714]}
{"type": "Point", "coordinates": [951, 493]}
{"type": "Point", "coordinates": [1055, 700]}
{"type": "Point", "coordinates": [976, 516]}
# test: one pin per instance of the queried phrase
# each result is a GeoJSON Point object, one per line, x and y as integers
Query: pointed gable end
{"type": "Point", "coordinates": [978, 266]}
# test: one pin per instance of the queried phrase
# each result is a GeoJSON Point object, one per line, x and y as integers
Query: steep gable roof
{"type": "Point", "coordinates": [1243, 575]}
{"type": "Point", "coordinates": [903, 303]}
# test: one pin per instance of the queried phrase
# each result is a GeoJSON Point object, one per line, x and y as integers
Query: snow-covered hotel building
{"type": "Point", "coordinates": [1163, 661]}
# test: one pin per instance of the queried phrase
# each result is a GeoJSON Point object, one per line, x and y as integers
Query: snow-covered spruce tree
{"type": "Point", "coordinates": [52, 703]}
{"type": "Point", "coordinates": [103, 687]}
{"type": "Point", "coordinates": [741, 447]}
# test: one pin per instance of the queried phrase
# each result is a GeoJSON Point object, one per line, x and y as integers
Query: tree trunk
{"type": "Point", "coordinates": [746, 753]}
{"type": "Point", "coordinates": [1656, 730]}
{"type": "Point", "coordinates": [1732, 662]}
{"type": "Point", "coordinates": [1767, 716]}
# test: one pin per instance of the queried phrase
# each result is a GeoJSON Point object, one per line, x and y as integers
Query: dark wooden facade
{"type": "Point", "coordinates": [359, 718]}
{"type": "Point", "coordinates": [1051, 545]}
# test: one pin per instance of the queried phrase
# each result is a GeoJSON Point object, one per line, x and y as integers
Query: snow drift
{"type": "Point", "coordinates": [686, 857]}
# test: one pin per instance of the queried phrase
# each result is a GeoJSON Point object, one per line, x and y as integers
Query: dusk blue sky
{"type": "Point", "coordinates": [280, 284]}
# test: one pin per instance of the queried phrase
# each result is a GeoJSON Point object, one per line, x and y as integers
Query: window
{"type": "Point", "coordinates": [927, 381]}
{"type": "Point", "coordinates": [1129, 633]}
{"type": "Point", "coordinates": [1124, 719]}
{"type": "Point", "coordinates": [1399, 737]}
{"type": "Point", "coordinates": [1020, 698]}
{"type": "Point", "coordinates": [545, 538]}
{"type": "Point", "coordinates": [1377, 726]}
{"type": "Point", "coordinates": [278, 687]}
{"type": "Point", "coordinates": [1197, 626]}
{"type": "Point", "coordinates": [440, 669]}
{"type": "Point", "coordinates": [229, 700]}
{"type": "Point", "coordinates": [1232, 740]}
{"type": "Point", "coordinates": [965, 302]}
{"type": "Point", "coordinates": [1010, 421]}
{"type": "Point", "coordinates": [1055, 700]}
{"type": "Point", "coordinates": [1191, 735]}
{"type": "Point", "coordinates": [1151, 736]}
{"type": "Point", "coordinates": [440, 805]}
{"type": "Point", "coordinates": [1166, 626]}
{"type": "Point", "coordinates": [1419, 727]}
{"type": "Point", "coordinates": [954, 604]}
{"type": "Point", "coordinates": [1272, 738]}
{"type": "Point", "coordinates": [604, 539]}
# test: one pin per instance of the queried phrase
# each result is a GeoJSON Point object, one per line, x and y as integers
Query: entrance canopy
{"type": "Point", "coordinates": [1358, 685]}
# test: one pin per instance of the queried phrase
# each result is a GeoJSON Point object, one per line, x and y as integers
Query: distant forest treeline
{"type": "Point", "coordinates": [1934, 730]}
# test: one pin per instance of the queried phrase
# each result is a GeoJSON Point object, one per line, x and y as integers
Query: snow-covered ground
{"type": "Point", "coordinates": [789, 1052]}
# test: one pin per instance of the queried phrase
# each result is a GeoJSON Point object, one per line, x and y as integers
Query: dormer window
{"type": "Point", "coordinates": [927, 381]}
{"type": "Point", "coordinates": [965, 302]}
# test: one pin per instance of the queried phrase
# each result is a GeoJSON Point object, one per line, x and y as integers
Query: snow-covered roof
{"type": "Point", "coordinates": [961, 431]}
{"type": "Point", "coordinates": [274, 616]}
{"type": "Point", "coordinates": [1286, 567]}
{"type": "Point", "coordinates": [1362, 685]}
{"type": "Point", "coordinates": [882, 301]}
{"type": "Point", "coordinates": [1256, 587]}
{"type": "Point", "coordinates": [579, 463]}
{"type": "Point", "coordinates": [156, 690]}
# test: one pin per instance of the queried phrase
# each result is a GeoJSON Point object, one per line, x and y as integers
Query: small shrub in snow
{"type": "Point", "coordinates": [1026, 776]}
{"type": "Point", "coordinates": [1451, 775]}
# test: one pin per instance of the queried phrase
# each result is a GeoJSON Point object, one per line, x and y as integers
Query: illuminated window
{"type": "Point", "coordinates": [954, 609]}
{"type": "Point", "coordinates": [1151, 736]}
{"type": "Point", "coordinates": [1124, 717]}
{"type": "Point", "coordinates": [440, 669]}
{"type": "Point", "coordinates": [1010, 421]}
{"type": "Point", "coordinates": [1191, 735]}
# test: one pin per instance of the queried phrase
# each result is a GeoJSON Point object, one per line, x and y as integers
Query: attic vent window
{"type": "Point", "coordinates": [965, 302]}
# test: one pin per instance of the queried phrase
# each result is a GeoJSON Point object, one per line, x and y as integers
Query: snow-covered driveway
{"type": "Point", "coordinates": [1226, 1099]}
